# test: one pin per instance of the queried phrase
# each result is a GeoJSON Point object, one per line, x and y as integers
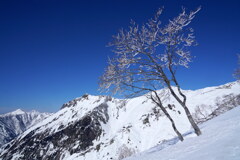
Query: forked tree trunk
{"type": "Point", "coordinates": [181, 102]}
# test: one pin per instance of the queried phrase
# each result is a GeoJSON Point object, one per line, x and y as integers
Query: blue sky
{"type": "Point", "coordinates": [53, 51]}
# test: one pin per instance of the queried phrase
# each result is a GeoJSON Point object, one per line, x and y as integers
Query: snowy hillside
{"type": "Point", "coordinates": [220, 141]}
{"type": "Point", "coordinates": [14, 123]}
{"type": "Point", "coordinates": [104, 128]}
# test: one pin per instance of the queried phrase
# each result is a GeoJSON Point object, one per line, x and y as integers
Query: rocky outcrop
{"type": "Point", "coordinates": [75, 137]}
{"type": "Point", "coordinates": [105, 128]}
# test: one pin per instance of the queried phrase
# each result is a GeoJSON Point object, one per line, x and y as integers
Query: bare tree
{"type": "Point", "coordinates": [147, 58]}
{"type": "Point", "coordinates": [237, 72]}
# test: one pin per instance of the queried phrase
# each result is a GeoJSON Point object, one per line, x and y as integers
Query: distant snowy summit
{"type": "Point", "coordinates": [16, 112]}
{"type": "Point", "coordinates": [14, 123]}
{"type": "Point", "coordinates": [105, 128]}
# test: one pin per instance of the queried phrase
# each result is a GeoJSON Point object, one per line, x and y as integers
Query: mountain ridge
{"type": "Point", "coordinates": [103, 127]}
{"type": "Point", "coordinates": [16, 122]}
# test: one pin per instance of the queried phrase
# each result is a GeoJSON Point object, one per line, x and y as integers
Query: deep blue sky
{"type": "Point", "coordinates": [52, 51]}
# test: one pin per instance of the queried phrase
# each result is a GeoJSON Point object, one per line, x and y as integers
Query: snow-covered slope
{"type": "Point", "coordinates": [14, 123]}
{"type": "Point", "coordinates": [220, 141]}
{"type": "Point", "coordinates": [104, 128]}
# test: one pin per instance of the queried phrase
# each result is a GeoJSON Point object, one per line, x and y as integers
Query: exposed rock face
{"type": "Point", "coordinates": [74, 102]}
{"type": "Point", "coordinates": [14, 123]}
{"type": "Point", "coordinates": [105, 128]}
{"type": "Point", "coordinates": [75, 137]}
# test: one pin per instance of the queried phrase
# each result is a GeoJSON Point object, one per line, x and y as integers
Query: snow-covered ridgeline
{"type": "Point", "coordinates": [14, 123]}
{"type": "Point", "coordinates": [220, 141]}
{"type": "Point", "coordinates": [101, 127]}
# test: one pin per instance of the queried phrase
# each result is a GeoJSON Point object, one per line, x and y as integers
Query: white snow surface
{"type": "Point", "coordinates": [16, 112]}
{"type": "Point", "coordinates": [16, 122]}
{"type": "Point", "coordinates": [126, 129]}
{"type": "Point", "coordinates": [220, 141]}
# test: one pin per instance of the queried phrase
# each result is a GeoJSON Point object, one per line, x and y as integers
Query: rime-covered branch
{"type": "Point", "coordinates": [147, 57]}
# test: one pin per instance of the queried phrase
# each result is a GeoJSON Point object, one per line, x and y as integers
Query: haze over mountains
{"type": "Point", "coordinates": [103, 128]}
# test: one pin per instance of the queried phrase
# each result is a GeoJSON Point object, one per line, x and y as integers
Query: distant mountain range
{"type": "Point", "coordinates": [14, 123]}
{"type": "Point", "coordinates": [105, 128]}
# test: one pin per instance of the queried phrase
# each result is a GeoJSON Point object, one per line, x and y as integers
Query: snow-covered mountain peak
{"type": "Point", "coordinates": [103, 128]}
{"type": "Point", "coordinates": [16, 112]}
{"type": "Point", "coordinates": [86, 98]}
{"type": "Point", "coordinates": [14, 123]}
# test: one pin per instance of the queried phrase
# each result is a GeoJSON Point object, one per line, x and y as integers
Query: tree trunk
{"type": "Point", "coordinates": [182, 103]}
{"type": "Point", "coordinates": [168, 116]}
{"type": "Point", "coordinates": [173, 125]}
{"type": "Point", "coordinates": [189, 116]}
